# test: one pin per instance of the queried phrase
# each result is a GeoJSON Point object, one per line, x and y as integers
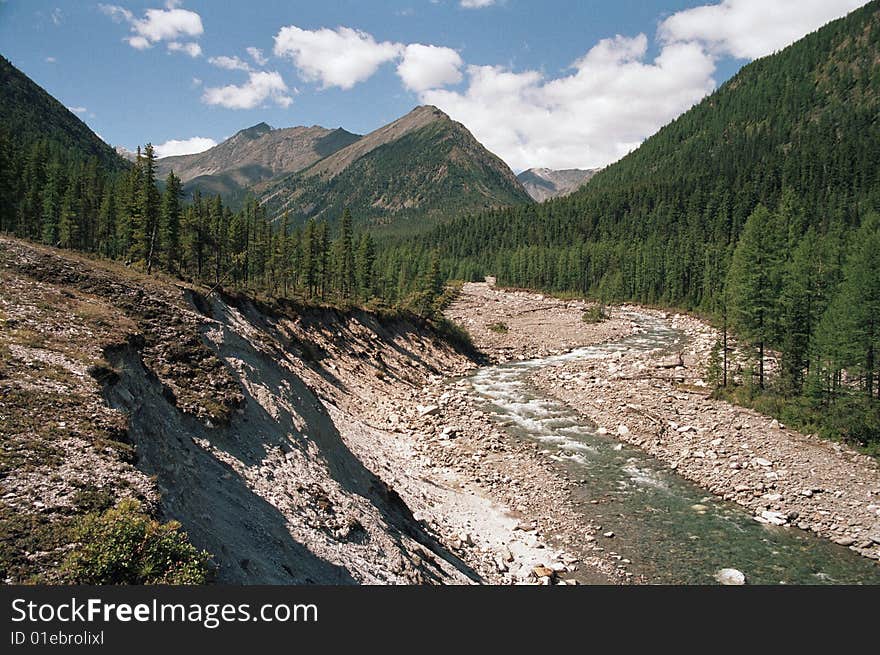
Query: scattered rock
{"type": "Point", "coordinates": [731, 577]}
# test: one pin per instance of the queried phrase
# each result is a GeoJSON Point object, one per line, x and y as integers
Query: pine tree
{"type": "Point", "coordinates": [366, 261]}
{"type": "Point", "coordinates": [69, 219]}
{"type": "Point", "coordinates": [859, 305]}
{"type": "Point", "coordinates": [345, 256]}
{"type": "Point", "coordinates": [170, 213]}
{"type": "Point", "coordinates": [149, 204]}
{"type": "Point", "coordinates": [753, 282]}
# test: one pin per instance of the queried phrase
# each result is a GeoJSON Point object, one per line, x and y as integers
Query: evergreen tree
{"type": "Point", "coordinates": [170, 214]}
{"type": "Point", "coordinates": [753, 282]}
{"type": "Point", "coordinates": [366, 261]}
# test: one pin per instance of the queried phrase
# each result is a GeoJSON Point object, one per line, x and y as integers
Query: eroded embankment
{"type": "Point", "coordinates": [235, 420]}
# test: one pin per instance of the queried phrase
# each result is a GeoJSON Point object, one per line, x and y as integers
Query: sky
{"type": "Point", "coordinates": [541, 83]}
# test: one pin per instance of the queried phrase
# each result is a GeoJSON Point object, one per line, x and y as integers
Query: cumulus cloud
{"type": "Point", "coordinates": [611, 101]}
{"type": "Point", "coordinates": [51, 60]}
{"type": "Point", "coordinates": [614, 98]}
{"type": "Point", "coordinates": [229, 63]}
{"type": "Point", "coordinates": [428, 67]}
{"type": "Point", "coordinates": [257, 55]}
{"type": "Point", "coordinates": [476, 4]}
{"type": "Point", "coordinates": [184, 146]}
{"type": "Point", "coordinates": [261, 87]}
{"type": "Point", "coordinates": [171, 24]}
{"type": "Point", "coordinates": [192, 48]}
{"type": "Point", "coordinates": [748, 29]}
{"type": "Point", "coordinates": [341, 57]}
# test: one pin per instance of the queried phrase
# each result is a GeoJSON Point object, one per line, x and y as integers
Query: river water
{"type": "Point", "coordinates": [672, 531]}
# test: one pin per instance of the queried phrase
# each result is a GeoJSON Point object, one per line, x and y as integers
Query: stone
{"type": "Point", "coordinates": [608, 535]}
{"type": "Point", "coordinates": [730, 577]}
{"type": "Point", "coordinates": [427, 410]}
{"type": "Point", "coordinates": [542, 571]}
{"type": "Point", "coordinates": [760, 461]}
{"type": "Point", "coordinates": [845, 541]}
{"type": "Point", "coordinates": [776, 518]}
{"type": "Point", "coordinates": [622, 430]}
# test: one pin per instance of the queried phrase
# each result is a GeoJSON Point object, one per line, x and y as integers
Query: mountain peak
{"type": "Point", "coordinates": [255, 131]}
{"type": "Point", "coordinates": [545, 183]}
{"type": "Point", "coordinates": [430, 111]}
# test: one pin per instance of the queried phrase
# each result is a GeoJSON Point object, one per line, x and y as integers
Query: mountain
{"type": "Point", "coordinates": [545, 183]}
{"type": "Point", "coordinates": [125, 153]}
{"type": "Point", "coordinates": [423, 165]}
{"type": "Point", "coordinates": [661, 224]}
{"type": "Point", "coordinates": [254, 155]}
{"type": "Point", "coordinates": [28, 114]}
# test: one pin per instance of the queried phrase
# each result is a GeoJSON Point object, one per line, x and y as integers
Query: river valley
{"type": "Point", "coordinates": [666, 528]}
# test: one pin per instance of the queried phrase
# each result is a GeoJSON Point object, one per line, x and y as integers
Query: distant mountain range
{"type": "Point", "coordinates": [545, 183]}
{"type": "Point", "coordinates": [254, 155]}
{"type": "Point", "coordinates": [421, 166]}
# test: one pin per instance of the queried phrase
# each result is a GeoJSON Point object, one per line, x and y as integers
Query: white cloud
{"type": "Point", "coordinates": [138, 42]}
{"type": "Point", "coordinates": [57, 16]}
{"type": "Point", "coordinates": [192, 48]}
{"type": "Point", "coordinates": [257, 55]}
{"type": "Point", "coordinates": [77, 110]}
{"type": "Point", "coordinates": [749, 29]}
{"type": "Point", "coordinates": [614, 98]}
{"type": "Point", "coordinates": [170, 24]}
{"type": "Point", "coordinates": [229, 63]}
{"type": "Point", "coordinates": [611, 101]}
{"type": "Point", "coordinates": [476, 4]}
{"type": "Point", "coordinates": [51, 60]}
{"type": "Point", "coordinates": [184, 146]}
{"type": "Point", "coordinates": [341, 57]}
{"type": "Point", "coordinates": [429, 67]}
{"type": "Point", "coordinates": [260, 87]}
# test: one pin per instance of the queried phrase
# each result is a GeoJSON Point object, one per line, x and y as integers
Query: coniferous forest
{"type": "Point", "coordinates": [759, 209]}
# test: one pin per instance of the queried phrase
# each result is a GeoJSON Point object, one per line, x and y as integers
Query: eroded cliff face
{"type": "Point", "coordinates": [240, 421]}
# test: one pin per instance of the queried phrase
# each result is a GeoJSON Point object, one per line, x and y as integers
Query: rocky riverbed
{"type": "Point", "coordinates": [659, 402]}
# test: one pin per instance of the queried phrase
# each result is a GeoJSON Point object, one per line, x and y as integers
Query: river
{"type": "Point", "coordinates": [671, 530]}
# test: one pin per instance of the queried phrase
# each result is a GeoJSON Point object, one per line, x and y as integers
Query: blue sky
{"type": "Point", "coordinates": [564, 83]}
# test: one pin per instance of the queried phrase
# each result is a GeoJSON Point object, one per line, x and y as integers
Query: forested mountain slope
{"type": "Point", "coordinates": [28, 114]}
{"type": "Point", "coordinates": [422, 166]}
{"type": "Point", "coordinates": [759, 206]}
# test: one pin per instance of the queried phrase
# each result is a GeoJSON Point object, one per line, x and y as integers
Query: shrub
{"type": "Point", "coordinates": [499, 327]}
{"type": "Point", "coordinates": [123, 545]}
{"type": "Point", "coordinates": [595, 314]}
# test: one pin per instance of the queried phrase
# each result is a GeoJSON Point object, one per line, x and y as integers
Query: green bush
{"type": "Point", "coordinates": [595, 314]}
{"type": "Point", "coordinates": [122, 545]}
{"type": "Point", "coordinates": [499, 327]}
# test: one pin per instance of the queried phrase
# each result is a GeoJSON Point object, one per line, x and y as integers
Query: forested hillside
{"type": "Point", "coordinates": [422, 168]}
{"type": "Point", "coordinates": [758, 206]}
{"type": "Point", "coordinates": [62, 186]}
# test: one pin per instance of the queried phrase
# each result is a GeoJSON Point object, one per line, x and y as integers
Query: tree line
{"type": "Point", "coordinates": [54, 197]}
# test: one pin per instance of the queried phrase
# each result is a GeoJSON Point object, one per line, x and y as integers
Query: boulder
{"type": "Point", "coordinates": [731, 577]}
